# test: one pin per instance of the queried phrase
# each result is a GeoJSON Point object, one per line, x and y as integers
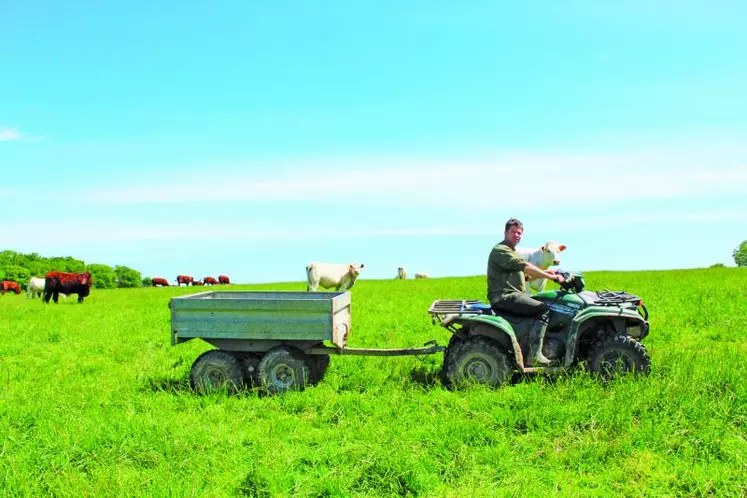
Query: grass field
{"type": "Point", "coordinates": [96, 402]}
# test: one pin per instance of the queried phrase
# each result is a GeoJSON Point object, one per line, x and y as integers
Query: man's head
{"type": "Point", "coordinates": [513, 232]}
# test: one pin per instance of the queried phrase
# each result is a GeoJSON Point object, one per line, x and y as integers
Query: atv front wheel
{"type": "Point", "coordinates": [477, 360]}
{"type": "Point", "coordinates": [616, 355]}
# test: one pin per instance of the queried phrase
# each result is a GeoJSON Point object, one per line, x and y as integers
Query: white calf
{"type": "Point", "coordinates": [35, 287]}
{"type": "Point", "coordinates": [340, 276]}
{"type": "Point", "coordinates": [543, 258]}
{"type": "Point", "coordinates": [402, 273]}
{"type": "Point", "coordinates": [422, 275]}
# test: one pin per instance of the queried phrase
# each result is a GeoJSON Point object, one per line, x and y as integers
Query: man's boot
{"type": "Point", "coordinates": [537, 340]}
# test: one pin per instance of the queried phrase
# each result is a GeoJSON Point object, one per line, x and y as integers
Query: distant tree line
{"type": "Point", "coordinates": [21, 267]}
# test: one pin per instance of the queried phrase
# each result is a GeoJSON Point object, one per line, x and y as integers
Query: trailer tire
{"type": "Point", "coordinates": [478, 360]}
{"type": "Point", "coordinates": [318, 367]}
{"type": "Point", "coordinates": [284, 369]}
{"type": "Point", "coordinates": [250, 368]}
{"type": "Point", "coordinates": [216, 370]}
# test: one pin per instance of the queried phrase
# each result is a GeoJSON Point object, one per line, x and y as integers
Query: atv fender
{"type": "Point", "coordinates": [619, 319]}
{"type": "Point", "coordinates": [495, 328]}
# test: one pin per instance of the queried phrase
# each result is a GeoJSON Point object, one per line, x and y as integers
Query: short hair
{"type": "Point", "coordinates": [513, 222]}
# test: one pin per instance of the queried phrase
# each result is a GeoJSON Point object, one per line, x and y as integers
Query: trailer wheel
{"type": "Point", "coordinates": [478, 360]}
{"type": "Point", "coordinates": [284, 369]}
{"type": "Point", "coordinates": [250, 368]}
{"type": "Point", "coordinates": [318, 367]}
{"type": "Point", "coordinates": [216, 370]}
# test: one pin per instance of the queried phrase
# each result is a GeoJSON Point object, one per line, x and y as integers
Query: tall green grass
{"type": "Point", "coordinates": [95, 402]}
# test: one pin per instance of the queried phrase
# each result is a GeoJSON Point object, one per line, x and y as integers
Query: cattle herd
{"type": "Point", "coordinates": [187, 280]}
{"type": "Point", "coordinates": [339, 277]}
{"type": "Point", "coordinates": [56, 283]}
{"type": "Point", "coordinates": [52, 285]}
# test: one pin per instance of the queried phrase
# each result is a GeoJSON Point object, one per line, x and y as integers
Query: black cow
{"type": "Point", "coordinates": [57, 282]}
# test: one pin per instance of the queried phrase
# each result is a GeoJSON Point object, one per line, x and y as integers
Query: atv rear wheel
{"type": "Point", "coordinates": [477, 360]}
{"type": "Point", "coordinates": [616, 355]}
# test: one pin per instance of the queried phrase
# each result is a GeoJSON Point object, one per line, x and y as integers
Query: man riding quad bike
{"type": "Point", "coordinates": [600, 328]}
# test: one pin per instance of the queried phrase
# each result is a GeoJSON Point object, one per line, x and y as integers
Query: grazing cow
{"type": "Point", "coordinates": [544, 257]}
{"type": "Point", "coordinates": [209, 280]}
{"type": "Point", "coordinates": [222, 279]}
{"type": "Point", "coordinates": [183, 279]}
{"type": "Point", "coordinates": [198, 282]}
{"type": "Point", "coordinates": [422, 275]}
{"type": "Point", "coordinates": [9, 285]}
{"type": "Point", "coordinates": [340, 276]}
{"type": "Point", "coordinates": [35, 287]}
{"type": "Point", "coordinates": [402, 273]}
{"type": "Point", "coordinates": [57, 282]}
{"type": "Point", "coordinates": [159, 281]}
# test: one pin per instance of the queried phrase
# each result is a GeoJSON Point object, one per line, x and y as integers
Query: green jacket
{"type": "Point", "coordinates": [505, 272]}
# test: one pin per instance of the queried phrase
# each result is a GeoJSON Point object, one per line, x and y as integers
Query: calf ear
{"type": "Point", "coordinates": [561, 248]}
{"type": "Point", "coordinates": [542, 248]}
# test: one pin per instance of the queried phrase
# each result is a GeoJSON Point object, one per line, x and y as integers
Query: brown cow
{"type": "Point", "coordinates": [57, 282]}
{"type": "Point", "coordinates": [159, 281]}
{"type": "Point", "coordinates": [197, 282]}
{"type": "Point", "coordinates": [9, 285]}
{"type": "Point", "coordinates": [209, 280]}
{"type": "Point", "coordinates": [222, 279]}
{"type": "Point", "coordinates": [183, 279]}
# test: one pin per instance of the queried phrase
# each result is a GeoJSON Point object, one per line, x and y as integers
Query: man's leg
{"type": "Point", "coordinates": [521, 304]}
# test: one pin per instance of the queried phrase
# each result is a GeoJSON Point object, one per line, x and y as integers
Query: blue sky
{"type": "Point", "coordinates": [251, 138]}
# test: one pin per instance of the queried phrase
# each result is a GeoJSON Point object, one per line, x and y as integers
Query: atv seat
{"type": "Point", "coordinates": [486, 309]}
{"type": "Point", "coordinates": [483, 308]}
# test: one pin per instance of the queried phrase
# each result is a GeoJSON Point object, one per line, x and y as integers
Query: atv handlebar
{"type": "Point", "coordinates": [573, 282]}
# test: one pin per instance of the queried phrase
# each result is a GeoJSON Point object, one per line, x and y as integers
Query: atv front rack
{"type": "Point", "coordinates": [612, 298]}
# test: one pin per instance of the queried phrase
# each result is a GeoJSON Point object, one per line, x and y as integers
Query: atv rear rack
{"type": "Point", "coordinates": [440, 309]}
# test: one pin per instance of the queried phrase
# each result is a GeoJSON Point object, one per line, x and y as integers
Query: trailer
{"type": "Point", "coordinates": [278, 340]}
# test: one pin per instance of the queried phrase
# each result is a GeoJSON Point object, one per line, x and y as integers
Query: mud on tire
{"type": "Point", "coordinates": [284, 369]}
{"type": "Point", "coordinates": [216, 370]}
{"type": "Point", "coordinates": [616, 355]}
{"type": "Point", "coordinates": [477, 360]}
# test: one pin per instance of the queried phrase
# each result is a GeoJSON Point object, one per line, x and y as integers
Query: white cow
{"type": "Point", "coordinates": [402, 273]}
{"type": "Point", "coordinates": [36, 287]}
{"type": "Point", "coordinates": [543, 258]}
{"type": "Point", "coordinates": [340, 276]}
{"type": "Point", "coordinates": [422, 275]}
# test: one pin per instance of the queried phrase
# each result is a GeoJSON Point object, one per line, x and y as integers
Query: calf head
{"type": "Point", "coordinates": [551, 254]}
{"type": "Point", "coordinates": [355, 269]}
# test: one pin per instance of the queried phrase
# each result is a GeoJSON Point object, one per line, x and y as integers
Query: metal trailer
{"type": "Point", "coordinates": [274, 339]}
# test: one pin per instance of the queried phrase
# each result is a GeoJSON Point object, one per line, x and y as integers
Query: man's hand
{"type": "Point", "coordinates": [558, 278]}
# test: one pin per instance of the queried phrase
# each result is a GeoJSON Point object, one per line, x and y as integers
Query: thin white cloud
{"type": "Point", "coordinates": [539, 180]}
{"type": "Point", "coordinates": [9, 134]}
{"type": "Point", "coordinates": [92, 232]}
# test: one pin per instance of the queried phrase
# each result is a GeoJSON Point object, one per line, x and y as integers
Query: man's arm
{"type": "Point", "coordinates": [535, 273]}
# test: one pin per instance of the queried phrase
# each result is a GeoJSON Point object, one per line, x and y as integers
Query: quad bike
{"type": "Point", "coordinates": [602, 329]}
